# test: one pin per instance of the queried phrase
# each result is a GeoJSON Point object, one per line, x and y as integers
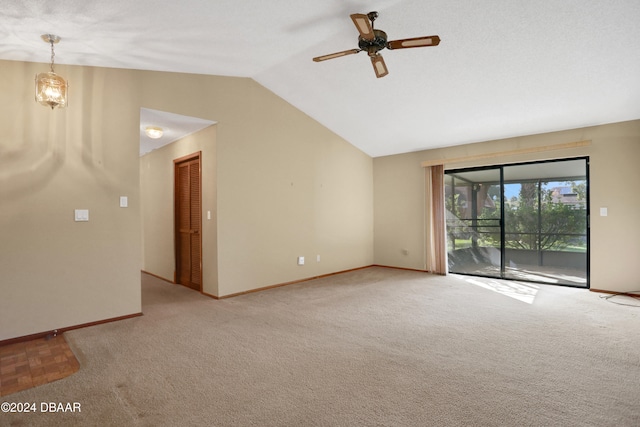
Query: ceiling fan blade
{"type": "Point", "coordinates": [336, 55]}
{"type": "Point", "coordinates": [379, 66]}
{"type": "Point", "coordinates": [414, 42]}
{"type": "Point", "coordinates": [363, 25]}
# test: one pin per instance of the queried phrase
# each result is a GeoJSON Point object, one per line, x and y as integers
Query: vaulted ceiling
{"type": "Point", "coordinates": [504, 68]}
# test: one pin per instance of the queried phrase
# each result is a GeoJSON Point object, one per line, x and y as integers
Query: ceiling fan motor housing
{"type": "Point", "coordinates": [378, 43]}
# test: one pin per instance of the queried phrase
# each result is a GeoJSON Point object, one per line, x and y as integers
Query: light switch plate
{"type": "Point", "coordinates": [82, 215]}
{"type": "Point", "coordinates": [124, 201]}
{"type": "Point", "coordinates": [300, 260]}
{"type": "Point", "coordinates": [604, 212]}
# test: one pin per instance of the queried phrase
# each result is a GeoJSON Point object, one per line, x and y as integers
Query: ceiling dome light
{"type": "Point", "coordinates": [154, 132]}
{"type": "Point", "coordinates": [51, 89]}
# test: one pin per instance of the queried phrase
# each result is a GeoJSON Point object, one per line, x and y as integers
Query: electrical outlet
{"type": "Point", "coordinates": [317, 258]}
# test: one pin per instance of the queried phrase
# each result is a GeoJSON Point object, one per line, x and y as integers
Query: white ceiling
{"type": "Point", "coordinates": [174, 126]}
{"type": "Point", "coordinates": [504, 68]}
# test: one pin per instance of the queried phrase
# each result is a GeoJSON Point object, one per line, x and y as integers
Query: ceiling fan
{"type": "Point", "coordinates": [373, 41]}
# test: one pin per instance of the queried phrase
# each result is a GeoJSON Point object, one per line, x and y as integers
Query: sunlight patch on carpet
{"type": "Point", "coordinates": [525, 292]}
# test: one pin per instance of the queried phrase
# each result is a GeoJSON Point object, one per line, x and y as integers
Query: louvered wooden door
{"type": "Point", "coordinates": [188, 222]}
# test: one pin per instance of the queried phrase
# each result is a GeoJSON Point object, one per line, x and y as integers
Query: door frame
{"type": "Point", "coordinates": [501, 167]}
{"type": "Point", "coordinates": [176, 162]}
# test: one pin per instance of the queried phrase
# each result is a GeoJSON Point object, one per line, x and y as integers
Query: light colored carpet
{"type": "Point", "coordinates": [373, 347]}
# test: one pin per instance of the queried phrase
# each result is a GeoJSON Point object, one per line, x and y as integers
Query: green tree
{"type": "Point", "coordinates": [538, 222]}
{"type": "Point", "coordinates": [580, 189]}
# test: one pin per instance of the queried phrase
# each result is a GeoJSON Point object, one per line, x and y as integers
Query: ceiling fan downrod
{"type": "Point", "coordinates": [372, 17]}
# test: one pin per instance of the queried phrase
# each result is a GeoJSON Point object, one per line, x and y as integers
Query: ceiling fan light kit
{"type": "Point", "coordinates": [373, 41]}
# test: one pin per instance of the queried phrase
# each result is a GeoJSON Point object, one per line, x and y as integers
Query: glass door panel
{"type": "Point", "coordinates": [473, 205]}
{"type": "Point", "coordinates": [546, 222]}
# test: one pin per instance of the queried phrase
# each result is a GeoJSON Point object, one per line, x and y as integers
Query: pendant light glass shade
{"type": "Point", "coordinates": [51, 89]}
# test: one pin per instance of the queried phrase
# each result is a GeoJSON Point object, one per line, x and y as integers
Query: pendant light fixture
{"type": "Point", "coordinates": [51, 89]}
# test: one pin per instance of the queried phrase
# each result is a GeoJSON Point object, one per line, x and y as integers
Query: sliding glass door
{"type": "Point", "coordinates": [525, 222]}
{"type": "Point", "coordinates": [474, 219]}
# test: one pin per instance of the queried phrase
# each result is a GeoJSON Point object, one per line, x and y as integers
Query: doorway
{"type": "Point", "coordinates": [525, 221]}
{"type": "Point", "coordinates": [188, 221]}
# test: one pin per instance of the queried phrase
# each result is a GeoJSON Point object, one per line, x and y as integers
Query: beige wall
{"type": "Point", "coordinates": [157, 205]}
{"type": "Point", "coordinates": [614, 155]}
{"type": "Point", "coordinates": [286, 187]}
{"type": "Point", "coordinates": [55, 272]}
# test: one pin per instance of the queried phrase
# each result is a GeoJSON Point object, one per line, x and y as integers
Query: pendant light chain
{"type": "Point", "coordinates": [52, 53]}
